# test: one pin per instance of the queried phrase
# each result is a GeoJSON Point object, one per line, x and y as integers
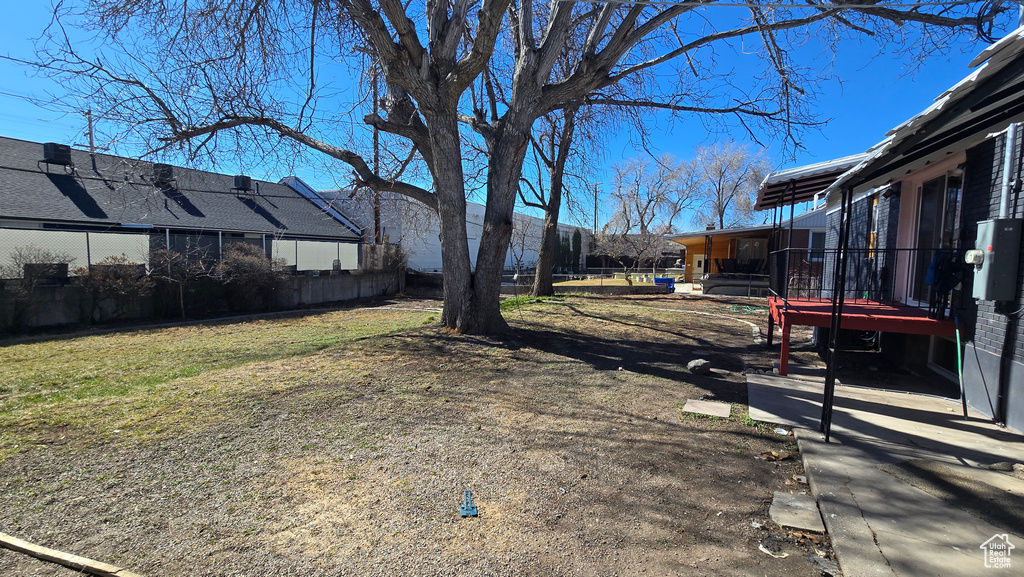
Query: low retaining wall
{"type": "Point", "coordinates": [303, 291]}
{"type": "Point", "coordinates": [56, 306]}
{"type": "Point", "coordinates": [735, 287]}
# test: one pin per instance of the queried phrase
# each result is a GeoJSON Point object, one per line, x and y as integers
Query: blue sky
{"type": "Point", "coordinates": [874, 96]}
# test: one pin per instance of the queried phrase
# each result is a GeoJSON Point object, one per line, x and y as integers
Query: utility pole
{"type": "Point", "coordinates": [92, 139]}
{"type": "Point", "coordinates": [594, 239]}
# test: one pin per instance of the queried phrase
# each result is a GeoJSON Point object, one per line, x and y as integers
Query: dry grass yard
{"type": "Point", "coordinates": [340, 443]}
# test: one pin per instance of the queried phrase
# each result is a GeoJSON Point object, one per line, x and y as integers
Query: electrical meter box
{"type": "Point", "coordinates": [996, 278]}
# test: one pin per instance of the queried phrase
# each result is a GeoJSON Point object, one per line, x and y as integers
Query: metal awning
{"type": "Point", "coordinates": [801, 184]}
{"type": "Point", "coordinates": [987, 101]}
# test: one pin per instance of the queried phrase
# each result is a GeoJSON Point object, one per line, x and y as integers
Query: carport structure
{"type": "Point", "coordinates": [839, 287]}
{"type": "Point", "coordinates": [801, 280]}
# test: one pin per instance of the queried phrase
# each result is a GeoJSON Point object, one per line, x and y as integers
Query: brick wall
{"type": "Point", "coordinates": [983, 181]}
{"type": "Point", "coordinates": [864, 274]}
{"type": "Point", "coordinates": [994, 351]}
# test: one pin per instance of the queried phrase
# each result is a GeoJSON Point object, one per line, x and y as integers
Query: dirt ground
{"type": "Point", "coordinates": [352, 459]}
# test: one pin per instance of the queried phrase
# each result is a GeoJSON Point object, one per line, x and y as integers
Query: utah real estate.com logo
{"type": "Point", "coordinates": [997, 551]}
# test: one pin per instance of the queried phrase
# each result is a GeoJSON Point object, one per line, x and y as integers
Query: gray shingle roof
{"type": "Point", "coordinates": [112, 190]}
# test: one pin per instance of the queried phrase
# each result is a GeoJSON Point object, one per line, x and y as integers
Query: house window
{"type": "Point", "coordinates": [817, 252]}
{"type": "Point", "coordinates": [748, 249]}
{"type": "Point", "coordinates": [951, 216]}
{"type": "Point", "coordinates": [938, 212]}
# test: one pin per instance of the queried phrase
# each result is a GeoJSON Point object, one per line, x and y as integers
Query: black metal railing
{"type": "Point", "coordinates": [906, 277]}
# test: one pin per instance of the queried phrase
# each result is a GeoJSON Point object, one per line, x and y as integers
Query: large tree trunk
{"type": "Point", "coordinates": [458, 313]}
{"type": "Point", "coordinates": [542, 284]}
{"type": "Point", "coordinates": [502, 181]}
{"type": "Point", "coordinates": [505, 167]}
{"type": "Point", "coordinates": [472, 299]}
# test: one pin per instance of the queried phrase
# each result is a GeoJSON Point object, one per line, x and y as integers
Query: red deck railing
{"type": "Point", "coordinates": [901, 278]}
{"type": "Point", "coordinates": [858, 316]}
{"type": "Point", "coordinates": [801, 285]}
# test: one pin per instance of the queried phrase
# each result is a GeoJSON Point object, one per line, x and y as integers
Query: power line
{"type": "Point", "coordinates": [768, 5]}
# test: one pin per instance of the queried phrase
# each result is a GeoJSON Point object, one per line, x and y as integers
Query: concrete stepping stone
{"type": "Point", "coordinates": [796, 511]}
{"type": "Point", "coordinates": [711, 408]}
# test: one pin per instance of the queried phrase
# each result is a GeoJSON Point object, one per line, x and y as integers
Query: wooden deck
{"type": "Point", "coordinates": [858, 315]}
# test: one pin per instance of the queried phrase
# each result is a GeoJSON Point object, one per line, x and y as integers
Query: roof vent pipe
{"type": "Point", "coordinates": [1008, 153]}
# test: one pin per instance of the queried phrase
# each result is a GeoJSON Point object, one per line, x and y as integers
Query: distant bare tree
{"type": "Point", "coordinates": [727, 176]}
{"type": "Point", "coordinates": [523, 233]}
{"type": "Point", "coordinates": [647, 197]}
{"type": "Point", "coordinates": [180, 268]}
{"type": "Point", "coordinates": [610, 245]}
{"type": "Point", "coordinates": [556, 149]}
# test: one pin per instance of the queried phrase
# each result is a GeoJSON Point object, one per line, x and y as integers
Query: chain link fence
{"type": "Point", "coordinates": [51, 277]}
{"type": "Point", "coordinates": [66, 253]}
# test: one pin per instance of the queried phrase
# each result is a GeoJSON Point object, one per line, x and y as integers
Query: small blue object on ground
{"type": "Point", "coordinates": [666, 280]}
{"type": "Point", "coordinates": [468, 509]}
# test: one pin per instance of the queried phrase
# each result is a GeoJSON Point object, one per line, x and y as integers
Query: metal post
{"type": "Point", "coordinates": [88, 253]}
{"type": "Point", "coordinates": [707, 255]}
{"type": "Point", "coordinates": [838, 298]}
{"type": "Point", "coordinates": [777, 225]}
{"type": "Point", "coordinates": [792, 208]}
{"type": "Point", "coordinates": [167, 247]}
{"type": "Point", "coordinates": [789, 239]}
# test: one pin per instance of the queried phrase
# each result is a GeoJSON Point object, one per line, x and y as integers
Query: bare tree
{"type": "Point", "coordinates": [609, 245]}
{"type": "Point", "coordinates": [181, 268]}
{"type": "Point", "coordinates": [727, 177]}
{"type": "Point", "coordinates": [647, 197]}
{"type": "Point", "coordinates": [257, 76]}
{"type": "Point", "coordinates": [522, 236]}
{"type": "Point", "coordinates": [553, 153]}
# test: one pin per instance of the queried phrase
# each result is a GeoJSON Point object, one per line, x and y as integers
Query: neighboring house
{"type": "Point", "coordinates": [912, 207]}
{"type": "Point", "coordinates": [417, 229]}
{"type": "Point", "coordinates": [744, 251]}
{"type": "Point", "coordinates": [94, 206]}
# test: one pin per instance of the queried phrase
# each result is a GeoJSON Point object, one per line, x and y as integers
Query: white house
{"type": "Point", "coordinates": [417, 229]}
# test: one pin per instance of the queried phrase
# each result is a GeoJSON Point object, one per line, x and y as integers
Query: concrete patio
{"type": "Point", "coordinates": [880, 524]}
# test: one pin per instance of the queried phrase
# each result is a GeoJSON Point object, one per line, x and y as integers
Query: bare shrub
{"type": "Point", "coordinates": [27, 267]}
{"type": "Point", "coordinates": [250, 278]}
{"type": "Point", "coordinates": [116, 285]}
